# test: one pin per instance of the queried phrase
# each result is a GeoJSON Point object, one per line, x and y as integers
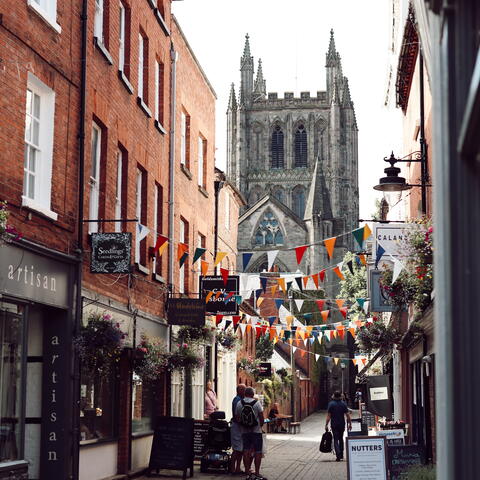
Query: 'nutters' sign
{"type": "Point", "coordinates": [186, 311]}
{"type": "Point", "coordinates": [219, 305]}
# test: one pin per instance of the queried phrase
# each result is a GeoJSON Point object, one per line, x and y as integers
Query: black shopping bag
{"type": "Point", "coordinates": [326, 442]}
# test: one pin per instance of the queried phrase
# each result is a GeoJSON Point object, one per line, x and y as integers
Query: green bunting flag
{"type": "Point", "coordinates": [198, 253]}
{"type": "Point", "coordinates": [358, 235]}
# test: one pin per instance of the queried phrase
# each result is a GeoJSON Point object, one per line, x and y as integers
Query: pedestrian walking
{"type": "Point", "coordinates": [236, 434]}
{"type": "Point", "coordinates": [336, 413]}
{"type": "Point", "coordinates": [210, 400]}
{"type": "Point", "coordinates": [249, 414]}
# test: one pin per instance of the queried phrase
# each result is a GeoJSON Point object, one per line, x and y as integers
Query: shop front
{"type": "Point", "coordinates": [37, 289]}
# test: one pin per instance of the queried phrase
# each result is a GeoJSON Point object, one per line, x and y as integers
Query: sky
{"type": "Point", "coordinates": [292, 39]}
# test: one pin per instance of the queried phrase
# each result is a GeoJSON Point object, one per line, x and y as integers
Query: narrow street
{"type": "Point", "coordinates": [290, 457]}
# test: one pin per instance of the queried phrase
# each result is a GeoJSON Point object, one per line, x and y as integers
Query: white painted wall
{"type": "Point", "coordinates": [98, 462]}
{"type": "Point", "coordinates": [227, 381]}
{"type": "Point", "coordinates": [141, 448]}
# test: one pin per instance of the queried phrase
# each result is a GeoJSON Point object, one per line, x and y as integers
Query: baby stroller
{"type": "Point", "coordinates": [215, 455]}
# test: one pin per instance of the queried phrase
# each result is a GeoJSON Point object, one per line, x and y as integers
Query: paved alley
{"type": "Point", "coordinates": [291, 457]}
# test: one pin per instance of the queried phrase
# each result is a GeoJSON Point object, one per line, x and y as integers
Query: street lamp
{"type": "Point", "coordinates": [343, 367]}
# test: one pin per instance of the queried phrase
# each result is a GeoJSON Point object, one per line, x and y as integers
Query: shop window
{"type": "Point", "coordinates": [142, 405]}
{"type": "Point", "coordinates": [97, 406]}
{"type": "Point", "coordinates": [11, 385]}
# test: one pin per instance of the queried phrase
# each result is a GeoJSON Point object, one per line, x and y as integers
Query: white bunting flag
{"type": "Point", "coordinates": [242, 327]}
{"type": "Point", "coordinates": [299, 304]}
{"type": "Point", "coordinates": [317, 356]}
{"type": "Point", "coordinates": [294, 349]}
{"type": "Point", "coordinates": [142, 232]}
{"type": "Point", "coordinates": [271, 256]}
{"type": "Point", "coordinates": [397, 268]}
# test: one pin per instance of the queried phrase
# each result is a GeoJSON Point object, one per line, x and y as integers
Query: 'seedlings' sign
{"type": "Point", "coordinates": [186, 311]}
{"type": "Point", "coordinates": [111, 252]}
{"type": "Point", "coordinates": [215, 284]}
{"type": "Point", "coordinates": [367, 458]}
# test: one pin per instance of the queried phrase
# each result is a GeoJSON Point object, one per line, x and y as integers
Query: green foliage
{"type": "Point", "coordinates": [150, 358]}
{"type": "Point", "coordinates": [227, 339]}
{"type": "Point", "coordinates": [273, 389]}
{"type": "Point", "coordinates": [354, 286]}
{"type": "Point", "coordinates": [424, 472]}
{"type": "Point", "coordinates": [197, 335]}
{"type": "Point", "coordinates": [377, 336]}
{"type": "Point", "coordinates": [264, 348]}
{"type": "Point", "coordinates": [248, 365]}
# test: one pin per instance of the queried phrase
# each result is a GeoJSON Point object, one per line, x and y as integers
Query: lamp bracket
{"type": "Point", "coordinates": [417, 157]}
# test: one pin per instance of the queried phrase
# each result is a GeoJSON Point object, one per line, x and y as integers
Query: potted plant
{"type": "Point", "coordinates": [183, 358]}
{"type": "Point", "coordinates": [189, 334]}
{"type": "Point", "coordinates": [7, 232]}
{"type": "Point", "coordinates": [99, 343]}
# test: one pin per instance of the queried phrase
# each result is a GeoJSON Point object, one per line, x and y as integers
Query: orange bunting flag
{"type": "Point", "coordinates": [309, 330]}
{"type": "Point", "coordinates": [305, 281]}
{"type": "Point", "coordinates": [249, 327]}
{"type": "Point", "coordinates": [341, 333]}
{"type": "Point", "coordinates": [273, 289]}
{"type": "Point", "coordinates": [275, 340]}
{"type": "Point", "coordinates": [217, 295]}
{"type": "Point", "coordinates": [339, 302]}
{"type": "Point", "coordinates": [302, 353]}
{"type": "Point", "coordinates": [354, 361]}
{"type": "Point", "coordinates": [289, 319]}
{"type": "Point", "coordinates": [366, 232]}
{"type": "Point", "coordinates": [364, 360]}
{"type": "Point", "coordinates": [324, 314]}
{"type": "Point", "coordinates": [338, 272]}
{"type": "Point", "coordinates": [315, 279]}
{"type": "Point", "coordinates": [336, 360]}
{"type": "Point", "coordinates": [320, 304]}
{"type": "Point", "coordinates": [321, 274]}
{"type": "Point", "coordinates": [220, 256]}
{"type": "Point", "coordinates": [330, 245]}
{"type": "Point", "coordinates": [344, 311]}
{"type": "Point", "coordinates": [204, 268]}
{"type": "Point", "coordinates": [299, 251]}
{"type": "Point", "coordinates": [352, 332]}
{"type": "Point", "coordinates": [224, 273]}
{"type": "Point", "coordinates": [208, 297]}
{"type": "Point", "coordinates": [300, 333]}
{"type": "Point", "coordinates": [161, 244]}
{"type": "Point", "coordinates": [181, 250]}
{"type": "Point", "coordinates": [260, 301]}
{"type": "Point", "coordinates": [362, 259]}
{"type": "Point", "coordinates": [281, 283]}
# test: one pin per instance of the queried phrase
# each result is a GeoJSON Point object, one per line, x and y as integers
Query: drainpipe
{"type": "Point", "coordinates": [81, 195]}
{"type": "Point", "coordinates": [423, 144]}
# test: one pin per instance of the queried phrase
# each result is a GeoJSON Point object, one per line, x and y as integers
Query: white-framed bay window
{"type": "Point", "coordinates": [96, 154]}
{"type": "Point", "coordinates": [47, 10]}
{"type": "Point", "coordinates": [38, 154]}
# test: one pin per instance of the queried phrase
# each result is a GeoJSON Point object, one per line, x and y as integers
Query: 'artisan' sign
{"type": "Point", "coordinates": [186, 311]}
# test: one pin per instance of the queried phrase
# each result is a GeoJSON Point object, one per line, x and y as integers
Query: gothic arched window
{"type": "Point", "coordinates": [298, 200]}
{"type": "Point", "coordinates": [277, 147]}
{"type": "Point", "coordinates": [300, 147]}
{"type": "Point", "coordinates": [255, 195]}
{"type": "Point", "coordinates": [279, 194]}
{"type": "Point", "coordinates": [268, 231]}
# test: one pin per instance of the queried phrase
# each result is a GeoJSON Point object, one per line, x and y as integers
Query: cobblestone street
{"type": "Point", "coordinates": [290, 457]}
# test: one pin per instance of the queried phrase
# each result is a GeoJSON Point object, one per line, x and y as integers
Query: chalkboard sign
{"type": "Point", "coordinates": [403, 457]}
{"type": "Point", "coordinates": [200, 430]}
{"type": "Point", "coordinates": [172, 446]}
{"type": "Point", "coordinates": [368, 418]}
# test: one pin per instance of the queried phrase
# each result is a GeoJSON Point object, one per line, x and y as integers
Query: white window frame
{"type": "Point", "coordinates": [47, 10]}
{"type": "Point", "coordinates": [41, 200]}
{"type": "Point", "coordinates": [138, 210]}
{"type": "Point", "coordinates": [121, 36]}
{"type": "Point", "coordinates": [158, 85]}
{"type": "Point", "coordinates": [96, 156]}
{"type": "Point", "coordinates": [118, 191]}
{"type": "Point", "coordinates": [98, 20]}
{"type": "Point", "coordinates": [201, 147]}
{"type": "Point", "coordinates": [183, 139]}
{"type": "Point", "coordinates": [181, 271]}
{"type": "Point", "coordinates": [140, 65]}
{"type": "Point", "coordinates": [227, 210]}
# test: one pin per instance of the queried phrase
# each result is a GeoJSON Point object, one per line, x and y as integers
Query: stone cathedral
{"type": "Point", "coordinates": [296, 162]}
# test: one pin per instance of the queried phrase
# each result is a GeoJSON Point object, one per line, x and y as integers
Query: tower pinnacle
{"type": "Point", "coordinates": [260, 89]}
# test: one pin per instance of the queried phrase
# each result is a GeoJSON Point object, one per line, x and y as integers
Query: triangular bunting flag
{"type": "Point", "coordinates": [305, 281]}
{"type": "Point", "coordinates": [321, 274]}
{"type": "Point", "coordinates": [336, 360]}
{"type": "Point", "coordinates": [320, 304]}
{"type": "Point", "coordinates": [273, 289]}
{"type": "Point", "coordinates": [380, 252]}
{"type": "Point", "coordinates": [362, 259]}
{"type": "Point", "coordinates": [397, 268]}
{"type": "Point", "coordinates": [339, 302]}
{"type": "Point", "coordinates": [315, 279]}
{"type": "Point", "coordinates": [366, 232]}
{"type": "Point", "coordinates": [161, 245]}
{"type": "Point", "coordinates": [242, 328]}
{"type": "Point", "coordinates": [238, 299]}
{"type": "Point", "coordinates": [208, 297]}
{"type": "Point", "coordinates": [263, 281]}
{"type": "Point", "coordinates": [299, 283]}
{"type": "Point", "coordinates": [338, 272]}
{"type": "Point", "coordinates": [142, 232]}
{"type": "Point", "coordinates": [281, 283]}
{"type": "Point", "coordinates": [317, 356]}
{"type": "Point", "coordinates": [198, 253]}
{"type": "Point", "coordinates": [358, 235]}
{"type": "Point", "coordinates": [357, 260]}
{"type": "Point", "coordinates": [330, 245]}
{"type": "Point", "coordinates": [278, 302]}
{"type": "Point", "coordinates": [236, 319]}
{"type": "Point", "coordinates": [260, 301]}
{"type": "Point", "coordinates": [227, 324]}
{"type": "Point", "coordinates": [271, 320]}
{"type": "Point", "coordinates": [220, 256]}
{"type": "Point", "coordinates": [350, 266]}
{"type": "Point", "coordinates": [246, 257]}
{"type": "Point", "coordinates": [299, 304]}
{"type": "Point", "coordinates": [204, 267]}
{"type": "Point", "coordinates": [324, 314]}
{"type": "Point", "coordinates": [224, 273]}
{"type": "Point", "coordinates": [218, 319]}
{"type": "Point", "coordinates": [299, 251]}
{"type": "Point", "coordinates": [289, 284]}
{"type": "Point", "coordinates": [182, 248]}
{"type": "Point", "coordinates": [344, 311]}
{"type": "Point", "coordinates": [271, 256]}
{"type": "Point", "coordinates": [294, 349]}
{"type": "Point", "coordinates": [360, 302]}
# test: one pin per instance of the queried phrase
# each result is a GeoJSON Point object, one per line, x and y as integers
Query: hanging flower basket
{"type": "Point", "coordinates": [149, 359]}
{"type": "Point", "coordinates": [227, 339]}
{"type": "Point", "coordinates": [7, 232]}
{"type": "Point", "coordinates": [195, 335]}
{"type": "Point", "coordinates": [248, 365]}
{"type": "Point", "coordinates": [99, 344]}
{"type": "Point", "coordinates": [184, 358]}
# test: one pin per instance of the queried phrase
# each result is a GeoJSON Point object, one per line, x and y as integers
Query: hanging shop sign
{"type": "Point", "coordinates": [111, 252]}
{"type": "Point", "coordinates": [186, 311]}
{"type": "Point", "coordinates": [265, 369]}
{"type": "Point", "coordinates": [367, 458]}
{"type": "Point", "coordinates": [379, 399]}
{"type": "Point", "coordinates": [220, 305]}
{"type": "Point", "coordinates": [391, 237]}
